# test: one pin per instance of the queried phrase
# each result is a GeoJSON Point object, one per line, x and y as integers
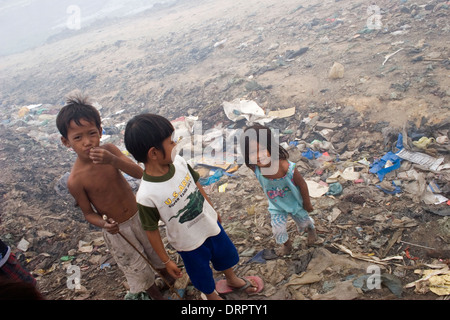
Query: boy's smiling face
{"type": "Point", "coordinates": [82, 138]}
{"type": "Point", "coordinates": [169, 146]}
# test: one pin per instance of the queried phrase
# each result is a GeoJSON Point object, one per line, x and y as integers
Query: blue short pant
{"type": "Point", "coordinates": [217, 249]}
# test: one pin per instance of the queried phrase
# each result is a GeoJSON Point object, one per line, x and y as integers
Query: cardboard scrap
{"type": "Point", "coordinates": [315, 189]}
{"type": "Point", "coordinates": [282, 113]}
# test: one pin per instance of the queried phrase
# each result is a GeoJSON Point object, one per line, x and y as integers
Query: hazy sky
{"type": "Point", "coordinates": [28, 23]}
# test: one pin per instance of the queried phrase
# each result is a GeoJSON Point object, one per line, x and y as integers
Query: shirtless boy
{"type": "Point", "coordinates": [99, 188]}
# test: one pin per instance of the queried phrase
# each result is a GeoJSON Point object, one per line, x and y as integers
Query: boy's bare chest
{"type": "Point", "coordinates": [101, 179]}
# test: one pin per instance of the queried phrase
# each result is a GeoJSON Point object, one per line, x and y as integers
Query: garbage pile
{"type": "Point", "coordinates": [371, 196]}
{"type": "Point", "coordinates": [377, 193]}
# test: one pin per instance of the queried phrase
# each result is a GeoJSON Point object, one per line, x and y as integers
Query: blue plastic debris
{"type": "Point", "coordinates": [379, 166]}
{"type": "Point", "coordinates": [334, 189]}
{"type": "Point", "coordinates": [396, 189]}
{"type": "Point", "coordinates": [258, 258]}
{"type": "Point", "coordinates": [399, 144]}
{"type": "Point", "coordinates": [309, 154]}
{"type": "Point", "coordinates": [211, 179]}
{"type": "Point", "coordinates": [105, 265]}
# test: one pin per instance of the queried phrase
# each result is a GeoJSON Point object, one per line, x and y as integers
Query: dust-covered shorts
{"type": "Point", "coordinates": [279, 221]}
{"type": "Point", "coordinates": [139, 274]}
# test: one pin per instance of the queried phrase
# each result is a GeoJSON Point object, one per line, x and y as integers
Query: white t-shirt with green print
{"type": "Point", "coordinates": [175, 199]}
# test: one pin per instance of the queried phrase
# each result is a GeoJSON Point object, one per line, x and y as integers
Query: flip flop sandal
{"type": "Point", "coordinates": [223, 288]}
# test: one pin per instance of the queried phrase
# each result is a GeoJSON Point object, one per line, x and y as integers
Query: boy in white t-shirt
{"type": "Point", "coordinates": [170, 191]}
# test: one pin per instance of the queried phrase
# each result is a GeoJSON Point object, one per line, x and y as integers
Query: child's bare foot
{"type": "Point", "coordinates": [285, 248]}
{"type": "Point", "coordinates": [312, 236]}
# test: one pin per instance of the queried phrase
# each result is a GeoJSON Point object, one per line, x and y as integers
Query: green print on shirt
{"type": "Point", "coordinates": [192, 209]}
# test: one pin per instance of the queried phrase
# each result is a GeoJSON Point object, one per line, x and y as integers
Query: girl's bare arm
{"type": "Point", "coordinates": [301, 184]}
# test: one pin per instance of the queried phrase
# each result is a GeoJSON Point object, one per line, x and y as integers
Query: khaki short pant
{"type": "Point", "coordinates": [140, 276]}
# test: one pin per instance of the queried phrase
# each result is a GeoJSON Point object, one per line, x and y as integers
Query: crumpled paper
{"type": "Point", "coordinates": [245, 109]}
{"type": "Point", "coordinates": [437, 281]}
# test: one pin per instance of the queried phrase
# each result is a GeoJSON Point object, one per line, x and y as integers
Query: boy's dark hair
{"type": "Point", "coordinates": [144, 132]}
{"type": "Point", "coordinates": [263, 136]}
{"type": "Point", "coordinates": [77, 108]}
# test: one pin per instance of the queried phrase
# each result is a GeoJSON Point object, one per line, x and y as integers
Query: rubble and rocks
{"type": "Point", "coordinates": [347, 126]}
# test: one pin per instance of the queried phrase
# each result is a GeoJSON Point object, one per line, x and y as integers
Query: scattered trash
{"type": "Point", "coordinates": [441, 212]}
{"type": "Point", "coordinates": [442, 139]}
{"type": "Point", "coordinates": [389, 189]}
{"type": "Point", "coordinates": [137, 296]}
{"type": "Point", "coordinates": [334, 214]}
{"type": "Point", "coordinates": [245, 109]}
{"type": "Point", "coordinates": [291, 54]}
{"type": "Point", "coordinates": [436, 280]}
{"type": "Point", "coordinates": [389, 162]}
{"type": "Point", "coordinates": [440, 285]}
{"type": "Point", "coordinates": [387, 57]}
{"type": "Point", "coordinates": [220, 43]}
{"type": "Point", "coordinates": [211, 179]}
{"type": "Point", "coordinates": [377, 201]}
{"type": "Point", "coordinates": [310, 154]}
{"type": "Point", "coordinates": [344, 290]}
{"type": "Point", "coordinates": [423, 142]}
{"type": "Point", "coordinates": [334, 189]}
{"type": "Point", "coordinates": [105, 266]}
{"type": "Point", "coordinates": [392, 282]}
{"type": "Point", "coordinates": [23, 244]}
{"type": "Point", "coordinates": [85, 247]}
{"type": "Point", "coordinates": [61, 185]}
{"type": "Point", "coordinates": [316, 189]}
{"type": "Point", "coordinates": [349, 173]}
{"type": "Point", "coordinates": [278, 114]}
{"type": "Point", "coordinates": [336, 71]}
{"type": "Point", "coordinates": [421, 159]}
{"type": "Point", "coordinates": [67, 258]}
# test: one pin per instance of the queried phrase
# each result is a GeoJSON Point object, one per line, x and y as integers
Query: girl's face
{"type": "Point", "coordinates": [259, 155]}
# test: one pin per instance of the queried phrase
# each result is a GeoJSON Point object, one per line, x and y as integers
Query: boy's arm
{"type": "Point", "coordinates": [202, 191]}
{"type": "Point", "coordinates": [110, 154]}
{"type": "Point", "coordinates": [155, 240]}
{"type": "Point", "coordinates": [301, 184]}
{"type": "Point", "coordinates": [77, 191]}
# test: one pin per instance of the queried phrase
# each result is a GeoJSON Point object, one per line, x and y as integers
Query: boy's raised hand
{"type": "Point", "coordinates": [101, 156]}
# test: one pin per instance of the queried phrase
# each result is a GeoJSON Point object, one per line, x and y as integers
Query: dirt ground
{"type": "Point", "coordinates": [190, 57]}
